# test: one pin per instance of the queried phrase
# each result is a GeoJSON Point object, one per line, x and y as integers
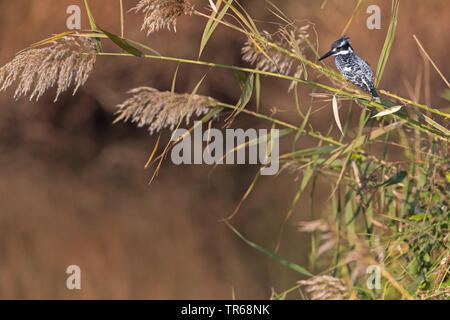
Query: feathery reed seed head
{"type": "Point", "coordinates": [160, 14]}
{"type": "Point", "coordinates": [360, 258]}
{"type": "Point", "coordinates": [158, 110]}
{"type": "Point", "coordinates": [291, 38]}
{"type": "Point", "coordinates": [63, 61]}
{"type": "Point", "coordinates": [328, 238]}
{"type": "Point", "coordinates": [314, 225]}
{"type": "Point", "coordinates": [325, 288]}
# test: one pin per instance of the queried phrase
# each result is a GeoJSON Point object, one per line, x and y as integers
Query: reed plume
{"type": "Point", "coordinates": [267, 58]}
{"type": "Point", "coordinates": [328, 236]}
{"type": "Point", "coordinates": [325, 288]}
{"type": "Point", "coordinates": [158, 110]}
{"type": "Point", "coordinates": [160, 14]}
{"type": "Point", "coordinates": [66, 60]}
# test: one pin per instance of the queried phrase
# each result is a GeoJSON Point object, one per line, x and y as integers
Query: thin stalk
{"type": "Point", "coordinates": [323, 70]}
{"type": "Point", "coordinates": [282, 123]}
{"type": "Point", "coordinates": [410, 122]}
{"type": "Point", "coordinates": [287, 52]}
{"type": "Point", "coordinates": [230, 67]}
{"type": "Point", "coordinates": [418, 105]}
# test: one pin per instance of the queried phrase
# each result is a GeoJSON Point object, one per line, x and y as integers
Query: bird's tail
{"type": "Point", "coordinates": [374, 92]}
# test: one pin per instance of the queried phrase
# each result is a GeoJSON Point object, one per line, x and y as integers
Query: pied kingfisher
{"type": "Point", "coordinates": [352, 67]}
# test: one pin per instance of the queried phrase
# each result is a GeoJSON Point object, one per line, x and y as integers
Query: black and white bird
{"type": "Point", "coordinates": [352, 67]}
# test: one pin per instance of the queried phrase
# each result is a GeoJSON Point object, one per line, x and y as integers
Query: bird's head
{"type": "Point", "coordinates": [341, 46]}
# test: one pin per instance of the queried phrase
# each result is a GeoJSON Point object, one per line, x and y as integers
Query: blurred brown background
{"type": "Point", "coordinates": [73, 188]}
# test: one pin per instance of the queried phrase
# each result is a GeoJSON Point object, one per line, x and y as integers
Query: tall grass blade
{"type": "Point", "coordinates": [358, 142]}
{"type": "Point", "coordinates": [244, 197]}
{"type": "Point", "coordinates": [122, 43]}
{"type": "Point", "coordinates": [247, 92]}
{"type": "Point", "coordinates": [271, 254]}
{"type": "Point", "coordinates": [93, 24]}
{"type": "Point", "coordinates": [355, 11]}
{"type": "Point", "coordinates": [387, 43]}
{"type": "Point", "coordinates": [212, 24]}
{"type": "Point", "coordinates": [419, 44]}
{"type": "Point", "coordinates": [258, 91]}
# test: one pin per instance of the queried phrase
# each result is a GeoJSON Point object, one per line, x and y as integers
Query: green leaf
{"type": "Point", "coordinates": [301, 129]}
{"type": "Point", "coordinates": [417, 217]}
{"type": "Point", "coordinates": [49, 40]}
{"type": "Point", "coordinates": [258, 91]}
{"type": "Point", "coordinates": [136, 43]}
{"type": "Point", "coordinates": [242, 78]}
{"type": "Point", "coordinates": [432, 122]}
{"type": "Point", "coordinates": [247, 92]}
{"type": "Point", "coordinates": [272, 255]}
{"type": "Point", "coordinates": [122, 43]}
{"type": "Point", "coordinates": [212, 24]}
{"type": "Point", "coordinates": [310, 152]}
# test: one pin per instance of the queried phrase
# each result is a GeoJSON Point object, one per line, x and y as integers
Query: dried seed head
{"type": "Point", "coordinates": [441, 271]}
{"type": "Point", "coordinates": [160, 14]}
{"type": "Point", "coordinates": [434, 294]}
{"type": "Point", "coordinates": [159, 110]}
{"type": "Point", "coordinates": [63, 61]}
{"type": "Point", "coordinates": [328, 237]}
{"type": "Point", "coordinates": [325, 288]}
{"type": "Point", "coordinates": [291, 38]}
{"type": "Point", "coordinates": [278, 62]}
{"type": "Point", "coordinates": [314, 225]}
{"type": "Point", "coordinates": [360, 258]}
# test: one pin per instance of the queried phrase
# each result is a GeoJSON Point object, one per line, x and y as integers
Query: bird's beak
{"type": "Point", "coordinates": [329, 53]}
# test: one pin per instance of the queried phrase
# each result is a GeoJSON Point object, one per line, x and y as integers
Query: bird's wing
{"type": "Point", "coordinates": [364, 68]}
